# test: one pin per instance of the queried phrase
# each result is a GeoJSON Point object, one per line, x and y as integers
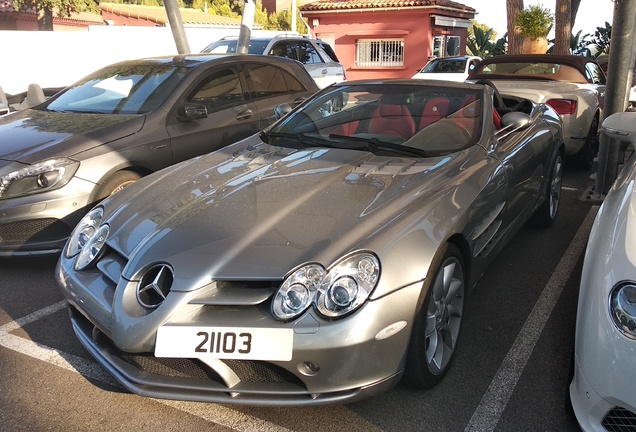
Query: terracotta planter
{"type": "Point", "coordinates": [534, 46]}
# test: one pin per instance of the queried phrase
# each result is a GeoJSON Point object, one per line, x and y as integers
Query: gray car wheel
{"type": "Point", "coordinates": [437, 325]}
{"type": "Point", "coordinates": [117, 182]}
{"type": "Point", "coordinates": [545, 215]}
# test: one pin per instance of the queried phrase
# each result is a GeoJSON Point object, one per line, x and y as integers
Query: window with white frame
{"type": "Point", "coordinates": [446, 46]}
{"type": "Point", "coordinates": [380, 52]}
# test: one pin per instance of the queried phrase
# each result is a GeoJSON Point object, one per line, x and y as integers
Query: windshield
{"type": "Point", "coordinates": [414, 120]}
{"type": "Point", "coordinates": [229, 46]}
{"type": "Point", "coordinates": [121, 89]}
{"type": "Point", "coordinates": [445, 66]}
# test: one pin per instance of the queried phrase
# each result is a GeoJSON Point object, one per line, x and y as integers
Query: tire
{"type": "Point", "coordinates": [115, 183]}
{"type": "Point", "coordinates": [584, 159]}
{"type": "Point", "coordinates": [545, 215]}
{"type": "Point", "coordinates": [437, 325]}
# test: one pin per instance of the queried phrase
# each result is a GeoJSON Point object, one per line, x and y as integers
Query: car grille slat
{"type": "Point", "coordinates": [619, 420]}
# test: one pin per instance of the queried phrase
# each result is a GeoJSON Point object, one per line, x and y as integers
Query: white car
{"type": "Point", "coordinates": [448, 68]}
{"type": "Point", "coordinates": [603, 387]}
{"type": "Point", "coordinates": [573, 85]}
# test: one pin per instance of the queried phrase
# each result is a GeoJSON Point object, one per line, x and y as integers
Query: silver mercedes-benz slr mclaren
{"type": "Point", "coordinates": [320, 261]}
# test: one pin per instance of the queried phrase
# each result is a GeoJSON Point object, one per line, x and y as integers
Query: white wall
{"type": "Point", "coordinates": [58, 59]}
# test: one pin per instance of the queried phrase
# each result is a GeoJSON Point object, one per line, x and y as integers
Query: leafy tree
{"type": "Point", "coordinates": [479, 40]}
{"type": "Point", "coordinates": [45, 9]}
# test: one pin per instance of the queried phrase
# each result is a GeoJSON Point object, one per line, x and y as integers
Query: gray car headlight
{"type": "Point", "coordinates": [84, 231]}
{"type": "Point", "coordinates": [334, 293]}
{"type": "Point", "coordinates": [297, 292]}
{"type": "Point", "coordinates": [40, 177]}
{"type": "Point", "coordinates": [92, 249]}
{"type": "Point", "coordinates": [623, 307]}
{"type": "Point", "coordinates": [348, 285]}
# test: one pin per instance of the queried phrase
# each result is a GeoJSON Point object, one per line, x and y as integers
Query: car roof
{"type": "Point", "coordinates": [194, 60]}
{"type": "Point", "coordinates": [577, 62]}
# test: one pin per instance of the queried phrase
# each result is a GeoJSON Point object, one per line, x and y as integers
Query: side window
{"type": "Point", "coordinates": [594, 74]}
{"type": "Point", "coordinates": [265, 81]}
{"type": "Point", "coordinates": [221, 89]}
{"type": "Point", "coordinates": [307, 54]}
{"type": "Point", "coordinates": [283, 49]}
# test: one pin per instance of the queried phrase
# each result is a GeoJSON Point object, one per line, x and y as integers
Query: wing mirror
{"type": "Point", "coordinates": [192, 111]}
{"type": "Point", "coordinates": [515, 121]}
{"type": "Point", "coordinates": [282, 110]}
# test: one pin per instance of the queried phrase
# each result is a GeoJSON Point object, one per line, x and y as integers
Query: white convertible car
{"type": "Point", "coordinates": [603, 388]}
{"type": "Point", "coordinates": [573, 85]}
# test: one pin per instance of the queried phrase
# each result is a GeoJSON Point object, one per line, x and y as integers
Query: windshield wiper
{"type": "Point", "coordinates": [374, 144]}
{"type": "Point", "coordinates": [302, 138]}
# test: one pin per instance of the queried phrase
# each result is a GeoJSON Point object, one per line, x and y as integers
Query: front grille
{"type": "Point", "coordinates": [171, 367]}
{"type": "Point", "coordinates": [37, 230]}
{"type": "Point", "coordinates": [620, 420]}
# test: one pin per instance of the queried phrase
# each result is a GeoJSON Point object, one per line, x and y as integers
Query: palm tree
{"type": "Point", "coordinates": [515, 40]}
{"type": "Point", "coordinates": [478, 41]}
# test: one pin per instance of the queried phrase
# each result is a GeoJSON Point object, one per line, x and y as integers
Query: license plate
{"type": "Point", "coordinates": [225, 343]}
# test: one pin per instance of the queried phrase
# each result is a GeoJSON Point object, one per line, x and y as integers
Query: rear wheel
{"type": "Point", "coordinates": [545, 215]}
{"type": "Point", "coordinates": [437, 325]}
{"type": "Point", "coordinates": [584, 159]}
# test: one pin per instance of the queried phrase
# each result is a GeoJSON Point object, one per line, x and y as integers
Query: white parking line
{"type": "Point", "coordinates": [494, 401]}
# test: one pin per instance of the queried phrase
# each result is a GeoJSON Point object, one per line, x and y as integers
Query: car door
{"type": "Point", "coordinates": [524, 155]}
{"type": "Point", "coordinates": [269, 87]}
{"type": "Point", "coordinates": [231, 115]}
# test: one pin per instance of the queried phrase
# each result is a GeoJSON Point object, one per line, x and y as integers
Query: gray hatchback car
{"type": "Point", "coordinates": [123, 122]}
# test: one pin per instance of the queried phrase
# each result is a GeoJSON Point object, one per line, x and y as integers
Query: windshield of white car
{"type": "Point", "coordinates": [120, 89]}
{"type": "Point", "coordinates": [416, 120]}
{"type": "Point", "coordinates": [445, 66]}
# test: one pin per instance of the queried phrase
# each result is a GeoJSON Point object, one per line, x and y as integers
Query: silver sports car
{"type": "Point", "coordinates": [319, 261]}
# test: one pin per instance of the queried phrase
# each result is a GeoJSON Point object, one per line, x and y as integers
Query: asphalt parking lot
{"type": "Point", "coordinates": [510, 372]}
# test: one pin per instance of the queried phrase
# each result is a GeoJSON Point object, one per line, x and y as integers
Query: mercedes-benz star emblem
{"type": "Point", "coordinates": [154, 286]}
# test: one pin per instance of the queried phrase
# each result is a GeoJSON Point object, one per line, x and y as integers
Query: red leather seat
{"type": "Point", "coordinates": [434, 110]}
{"type": "Point", "coordinates": [392, 119]}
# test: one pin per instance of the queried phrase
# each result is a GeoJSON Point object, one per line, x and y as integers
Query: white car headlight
{"type": "Point", "coordinates": [623, 307]}
{"type": "Point", "coordinates": [40, 177]}
{"type": "Point", "coordinates": [334, 293]}
{"type": "Point", "coordinates": [84, 230]}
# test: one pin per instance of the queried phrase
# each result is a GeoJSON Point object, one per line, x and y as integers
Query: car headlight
{"type": "Point", "coordinates": [334, 293]}
{"type": "Point", "coordinates": [623, 307]}
{"type": "Point", "coordinates": [84, 230]}
{"type": "Point", "coordinates": [347, 285]}
{"type": "Point", "coordinates": [92, 249]}
{"type": "Point", "coordinates": [40, 177]}
{"type": "Point", "coordinates": [297, 292]}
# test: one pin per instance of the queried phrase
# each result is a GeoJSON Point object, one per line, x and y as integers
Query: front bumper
{"type": "Point", "coordinates": [39, 224]}
{"type": "Point", "coordinates": [352, 363]}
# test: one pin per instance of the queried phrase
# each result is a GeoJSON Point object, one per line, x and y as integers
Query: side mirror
{"type": "Point", "coordinates": [192, 111]}
{"type": "Point", "coordinates": [282, 110]}
{"type": "Point", "coordinates": [515, 120]}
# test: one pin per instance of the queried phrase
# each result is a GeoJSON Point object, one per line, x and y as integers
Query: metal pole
{"type": "Point", "coordinates": [247, 22]}
{"type": "Point", "coordinates": [293, 15]}
{"type": "Point", "coordinates": [176, 25]}
{"type": "Point", "coordinates": [619, 73]}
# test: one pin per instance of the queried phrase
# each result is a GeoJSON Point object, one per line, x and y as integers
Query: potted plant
{"type": "Point", "coordinates": [534, 24]}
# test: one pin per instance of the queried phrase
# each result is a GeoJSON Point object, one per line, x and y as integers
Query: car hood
{"type": "Point", "coordinates": [537, 91]}
{"type": "Point", "coordinates": [259, 211]}
{"type": "Point", "coordinates": [31, 136]}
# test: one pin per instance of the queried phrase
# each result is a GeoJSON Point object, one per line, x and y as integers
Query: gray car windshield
{"type": "Point", "coordinates": [121, 89]}
{"type": "Point", "coordinates": [229, 46]}
{"type": "Point", "coordinates": [414, 120]}
{"type": "Point", "coordinates": [445, 66]}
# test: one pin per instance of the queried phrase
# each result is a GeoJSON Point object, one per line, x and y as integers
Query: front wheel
{"type": "Point", "coordinates": [437, 325]}
{"type": "Point", "coordinates": [117, 182]}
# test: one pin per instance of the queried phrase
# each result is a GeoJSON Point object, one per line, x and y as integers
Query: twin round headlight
{"type": "Point", "coordinates": [623, 307]}
{"type": "Point", "coordinates": [88, 239]}
{"type": "Point", "coordinates": [334, 293]}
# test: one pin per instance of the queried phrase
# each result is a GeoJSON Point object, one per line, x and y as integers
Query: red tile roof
{"type": "Point", "coordinates": [157, 14]}
{"type": "Point", "coordinates": [323, 5]}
